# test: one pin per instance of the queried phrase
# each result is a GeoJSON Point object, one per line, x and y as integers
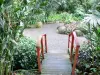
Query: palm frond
{"type": "Point", "coordinates": [92, 19]}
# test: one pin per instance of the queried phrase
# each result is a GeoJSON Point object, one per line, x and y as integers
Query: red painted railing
{"type": "Point", "coordinates": [73, 47]}
{"type": "Point", "coordinates": [41, 44]}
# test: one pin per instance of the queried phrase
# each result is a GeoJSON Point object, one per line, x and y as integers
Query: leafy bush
{"type": "Point", "coordinates": [63, 17]}
{"type": "Point", "coordinates": [72, 17]}
{"type": "Point", "coordinates": [80, 11]}
{"type": "Point", "coordinates": [26, 72]}
{"type": "Point", "coordinates": [36, 18]}
{"type": "Point", "coordinates": [25, 54]}
{"type": "Point", "coordinates": [89, 54]}
{"type": "Point", "coordinates": [38, 25]}
{"type": "Point", "coordinates": [88, 61]}
{"type": "Point", "coordinates": [54, 17]}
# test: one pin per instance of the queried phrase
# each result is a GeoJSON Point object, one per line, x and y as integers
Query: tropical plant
{"type": "Point", "coordinates": [63, 17]}
{"type": "Point", "coordinates": [51, 5]}
{"type": "Point", "coordinates": [7, 40]}
{"type": "Point", "coordinates": [93, 21]}
{"type": "Point", "coordinates": [25, 54]}
{"type": "Point", "coordinates": [89, 55]}
{"type": "Point", "coordinates": [13, 16]}
{"type": "Point", "coordinates": [88, 61]}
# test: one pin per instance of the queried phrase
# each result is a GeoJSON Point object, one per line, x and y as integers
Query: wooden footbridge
{"type": "Point", "coordinates": [59, 52]}
{"type": "Point", "coordinates": [57, 63]}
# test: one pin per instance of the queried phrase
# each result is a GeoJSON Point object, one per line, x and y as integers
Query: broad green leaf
{"type": "Point", "coordinates": [1, 2]}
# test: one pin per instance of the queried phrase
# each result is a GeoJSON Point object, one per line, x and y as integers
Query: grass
{"type": "Point", "coordinates": [63, 17]}
{"type": "Point", "coordinates": [53, 17]}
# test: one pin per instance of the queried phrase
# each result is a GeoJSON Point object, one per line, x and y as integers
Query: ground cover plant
{"type": "Point", "coordinates": [88, 61]}
{"type": "Point", "coordinates": [25, 54]}
{"type": "Point", "coordinates": [63, 17]}
{"type": "Point", "coordinates": [26, 72]}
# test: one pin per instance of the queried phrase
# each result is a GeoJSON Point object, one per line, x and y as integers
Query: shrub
{"type": "Point", "coordinates": [88, 61]}
{"type": "Point", "coordinates": [26, 72]}
{"type": "Point", "coordinates": [54, 17]}
{"type": "Point", "coordinates": [38, 25]}
{"type": "Point", "coordinates": [25, 54]}
{"type": "Point", "coordinates": [80, 11]}
{"type": "Point", "coordinates": [63, 17]}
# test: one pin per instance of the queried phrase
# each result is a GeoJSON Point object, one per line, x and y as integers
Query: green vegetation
{"type": "Point", "coordinates": [63, 17]}
{"type": "Point", "coordinates": [88, 61]}
{"type": "Point", "coordinates": [16, 15]}
{"type": "Point", "coordinates": [26, 72]}
{"type": "Point", "coordinates": [25, 54]}
{"type": "Point", "coordinates": [89, 55]}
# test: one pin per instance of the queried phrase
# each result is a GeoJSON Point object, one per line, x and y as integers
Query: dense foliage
{"type": "Point", "coordinates": [89, 55]}
{"type": "Point", "coordinates": [63, 17]}
{"type": "Point", "coordinates": [25, 54]}
{"type": "Point", "coordinates": [88, 61]}
{"type": "Point", "coordinates": [9, 34]}
{"type": "Point", "coordinates": [15, 15]}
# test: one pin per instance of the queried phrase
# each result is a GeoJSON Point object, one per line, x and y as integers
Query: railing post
{"type": "Point", "coordinates": [72, 44]}
{"type": "Point", "coordinates": [42, 47]}
{"type": "Point", "coordinates": [68, 43]}
{"type": "Point", "coordinates": [38, 59]}
{"type": "Point", "coordinates": [75, 59]}
{"type": "Point", "coordinates": [45, 43]}
{"type": "Point", "coordinates": [74, 39]}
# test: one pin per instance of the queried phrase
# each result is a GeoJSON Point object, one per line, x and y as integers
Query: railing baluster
{"type": "Point", "coordinates": [38, 59]}
{"type": "Point", "coordinates": [72, 45]}
{"type": "Point", "coordinates": [42, 47]}
{"type": "Point", "coordinates": [68, 44]}
{"type": "Point", "coordinates": [45, 43]}
{"type": "Point", "coordinates": [75, 60]}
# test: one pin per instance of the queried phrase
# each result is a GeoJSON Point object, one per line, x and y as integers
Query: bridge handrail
{"type": "Point", "coordinates": [40, 49]}
{"type": "Point", "coordinates": [74, 44]}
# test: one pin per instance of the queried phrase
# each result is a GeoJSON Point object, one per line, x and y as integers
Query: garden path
{"type": "Point", "coordinates": [56, 61]}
